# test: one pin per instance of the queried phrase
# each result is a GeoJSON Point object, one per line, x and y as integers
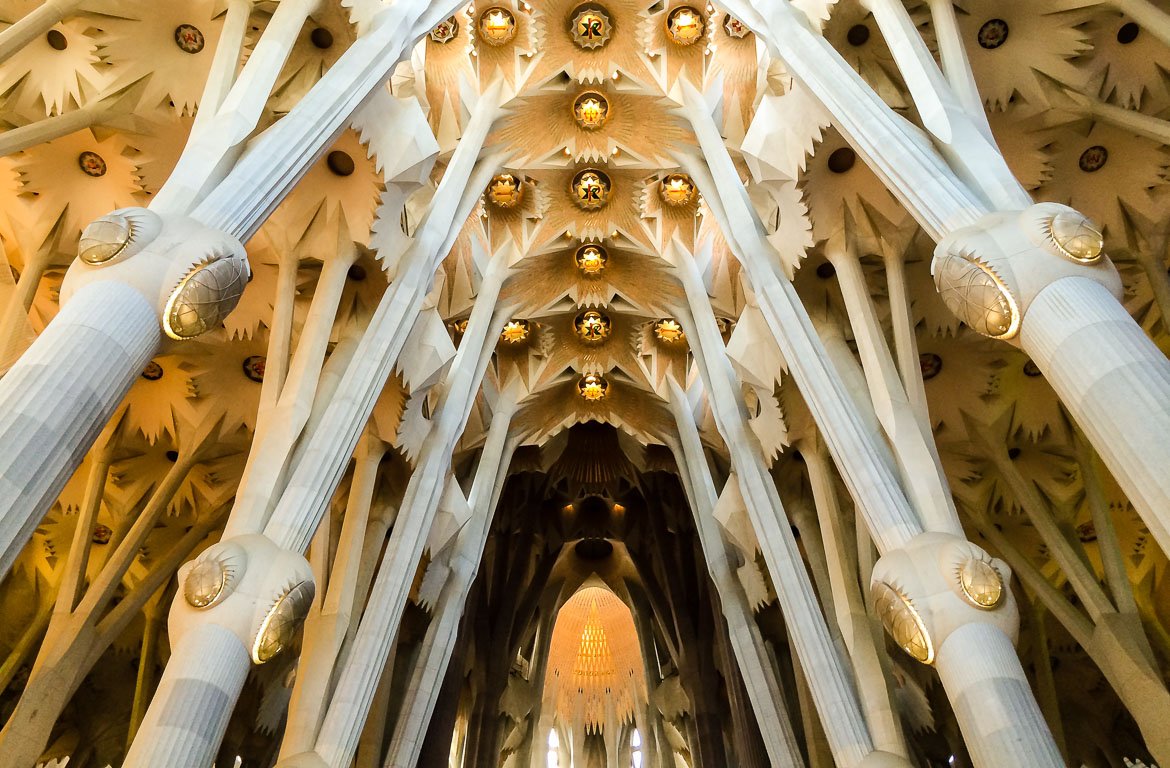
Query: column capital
{"type": "Point", "coordinates": [936, 583]}
{"type": "Point", "coordinates": [989, 273]}
{"type": "Point", "coordinates": [249, 586]}
{"type": "Point", "coordinates": [193, 275]}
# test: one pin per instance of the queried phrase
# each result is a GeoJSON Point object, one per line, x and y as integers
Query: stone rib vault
{"type": "Point", "coordinates": [616, 384]}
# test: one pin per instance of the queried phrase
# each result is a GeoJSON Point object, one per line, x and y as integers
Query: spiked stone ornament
{"type": "Point", "coordinates": [505, 191]}
{"type": "Point", "coordinates": [593, 387]}
{"type": "Point", "coordinates": [591, 259]}
{"type": "Point", "coordinates": [515, 332]}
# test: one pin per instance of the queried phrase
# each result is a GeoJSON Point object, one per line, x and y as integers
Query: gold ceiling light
{"type": "Point", "coordinates": [505, 191]}
{"type": "Point", "coordinates": [445, 31]}
{"type": "Point", "coordinates": [668, 331]}
{"type": "Point", "coordinates": [515, 332]}
{"type": "Point", "coordinates": [685, 25]}
{"type": "Point", "coordinates": [591, 259]}
{"type": "Point", "coordinates": [591, 27]}
{"type": "Point", "coordinates": [591, 189]}
{"type": "Point", "coordinates": [592, 327]}
{"type": "Point", "coordinates": [497, 26]}
{"type": "Point", "coordinates": [677, 190]}
{"type": "Point", "coordinates": [591, 110]}
{"type": "Point", "coordinates": [593, 387]}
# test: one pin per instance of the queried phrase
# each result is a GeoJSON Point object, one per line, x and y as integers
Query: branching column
{"type": "Point", "coordinates": [189, 272]}
{"type": "Point", "coordinates": [759, 676]}
{"type": "Point", "coordinates": [438, 646]}
{"type": "Point", "coordinates": [832, 689]}
{"type": "Point", "coordinates": [1036, 277]}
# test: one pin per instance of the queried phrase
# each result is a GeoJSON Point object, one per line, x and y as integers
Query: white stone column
{"type": "Point", "coordinates": [55, 400]}
{"type": "Point", "coordinates": [239, 602]}
{"type": "Point", "coordinates": [1019, 252]}
{"type": "Point", "coordinates": [759, 676]}
{"type": "Point", "coordinates": [319, 465]}
{"type": "Point", "coordinates": [337, 741]}
{"type": "Point", "coordinates": [831, 687]}
{"type": "Point", "coordinates": [431, 666]}
{"type": "Point", "coordinates": [1116, 384]}
{"type": "Point", "coordinates": [193, 702]}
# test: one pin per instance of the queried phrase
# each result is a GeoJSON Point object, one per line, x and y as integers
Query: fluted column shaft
{"type": "Point", "coordinates": [1116, 384]}
{"type": "Point", "coordinates": [319, 466]}
{"type": "Point", "coordinates": [355, 688]}
{"type": "Point", "coordinates": [992, 699]}
{"type": "Point", "coordinates": [55, 400]}
{"type": "Point", "coordinates": [759, 677]}
{"type": "Point", "coordinates": [194, 700]}
{"type": "Point", "coordinates": [832, 689]}
{"type": "Point", "coordinates": [431, 666]}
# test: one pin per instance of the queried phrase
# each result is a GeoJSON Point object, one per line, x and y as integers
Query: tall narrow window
{"type": "Point", "coordinates": [636, 749]}
{"type": "Point", "coordinates": [554, 749]}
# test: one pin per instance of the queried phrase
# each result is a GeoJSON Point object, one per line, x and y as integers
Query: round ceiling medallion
{"type": "Point", "coordinates": [591, 259]}
{"type": "Point", "coordinates": [101, 534]}
{"type": "Point", "coordinates": [592, 327]}
{"type": "Point", "coordinates": [92, 164]}
{"type": "Point", "coordinates": [497, 26]}
{"type": "Point", "coordinates": [591, 27]}
{"type": "Point", "coordinates": [668, 331]}
{"type": "Point", "coordinates": [902, 621]}
{"type": "Point", "coordinates": [685, 25]}
{"type": "Point", "coordinates": [515, 332]}
{"type": "Point", "coordinates": [981, 584]}
{"type": "Point", "coordinates": [445, 31]}
{"type": "Point", "coordinates": [735, 28]}
{"type": "Point", "coordinates": [993, 34]}
{"type": "Point", "coordinates": [593, 387]}
{"type": "Point", "coordinates": [152, 372]}
{"type": "Point", "coordinates": [591, 189]}
{"type": "Point", "coordinates": [56, 39]}
{"type": "Point", "coordinates": [930, 365]}
{"type": "Point", "coordinates": [504, 191]}
{"type": "Point", "coordinates": [253, 367]}
{"type": "Point", "coordinates": [189, 38]}
{"type": "Point", "coordinates": [1093, 159]}
{"type": "Point", "coordinates": [591, 110]}
{"type": "Point", "coordinates": [677, 190]}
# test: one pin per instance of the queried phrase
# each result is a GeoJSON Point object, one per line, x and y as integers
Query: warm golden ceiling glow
{"type": "Point", "coordinates": [593, 387]}
{"type": "Point", "coordinates": [590, 110]}
{"type": "Point", "coordinates": [591, 259]}
{"type": "Point", "coordinates": [595, 662]}
{"type": "Point", "coordinates": [591, 189]}
{"type": "Point", "coordinates": [497, 26]}
{"type": "Point", "coordinates": [685, 25]}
